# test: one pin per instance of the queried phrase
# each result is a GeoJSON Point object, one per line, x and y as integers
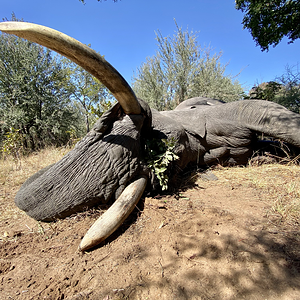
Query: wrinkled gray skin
{"type": "Point", "coordinates": [96, 171]}
{"type": "Point", "coordinates": [196, 102]}
{"type": "Point", "coordinates": [109, 157]}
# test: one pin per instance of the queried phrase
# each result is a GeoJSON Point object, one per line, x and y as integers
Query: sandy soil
{"type": "Point", "coordinates": [211, 241]}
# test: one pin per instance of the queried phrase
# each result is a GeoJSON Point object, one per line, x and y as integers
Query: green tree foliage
{"type": "Point", "coordinates": [159, 155]}
{"type": "Point", "coordinates": [91, 95]}
{"type": "Point", "coordinates": [285, 90]}
{"type": "Point", "coordinates": [13, 146]}
{"type": "Point", "coordinates": [181, 69]}
{"type": "Point", "coordinates": [269, 21]}
{"type": "Point", "coordinates": [34, 94]}
{"type": "Point", "coordinates": [265, 91]}
{"type": "Point", "coordinates": [289, 94]}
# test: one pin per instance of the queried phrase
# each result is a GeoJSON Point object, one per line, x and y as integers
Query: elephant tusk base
{"type": "Point", "coordinates": [115, 215]}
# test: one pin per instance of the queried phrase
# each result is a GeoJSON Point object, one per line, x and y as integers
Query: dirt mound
{"type": "Point", "coordinates": [213, 241]}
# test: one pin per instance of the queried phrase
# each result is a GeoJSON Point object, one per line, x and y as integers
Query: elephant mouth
{"type": "Point", "coordinates": [96, 65]}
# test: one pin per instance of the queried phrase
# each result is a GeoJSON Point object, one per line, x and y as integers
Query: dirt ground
{"type": "Point", "coordinates": [214, 240]}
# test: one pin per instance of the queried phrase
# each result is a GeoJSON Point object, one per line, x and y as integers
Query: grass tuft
{"type": "Point", "coordinates": [279, 186]}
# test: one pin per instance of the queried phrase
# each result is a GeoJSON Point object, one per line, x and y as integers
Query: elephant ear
{"type": "Point", "coordinates": [194, 123]}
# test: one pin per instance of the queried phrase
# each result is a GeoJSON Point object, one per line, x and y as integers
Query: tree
{"type": "Point", "coordinates": [91, 95]}
{"type": "Point", "coordinates": [269, 21]}
{"type": "Point", "coordinates": [284, 90]}
{"type": "Point", "coordinates": [181, 69]}
{"type": "Point", "coordinates": [289, 94]}
{"type": "Point", "coordinates": [34, 95]}
{"type": "Point", "coordinates": [265, 91]}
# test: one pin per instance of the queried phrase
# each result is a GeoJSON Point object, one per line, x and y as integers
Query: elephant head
{"type": "Point", "coordinates": [107, 165]}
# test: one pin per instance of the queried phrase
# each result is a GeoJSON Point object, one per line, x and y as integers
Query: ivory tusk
{"type": "Point", "coordinates": [82, 55]}
{"type": "Point", "coordinates": [115, 215]}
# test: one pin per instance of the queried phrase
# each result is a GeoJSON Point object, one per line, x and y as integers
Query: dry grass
{"type": "Point", "coordinates": [278, 184]}
{"type": "Point", "coordinates": [13, 174]}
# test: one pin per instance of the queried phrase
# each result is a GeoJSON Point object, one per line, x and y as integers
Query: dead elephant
{"type": "Point", "coordinates": [108, 164]}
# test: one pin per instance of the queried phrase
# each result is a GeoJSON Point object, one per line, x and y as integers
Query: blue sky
{"type": "Point", "coordinates": [124, 32]}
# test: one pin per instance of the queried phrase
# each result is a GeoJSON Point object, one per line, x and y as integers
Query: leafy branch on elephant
{"type": "Point", "coordinates": [159, 155]}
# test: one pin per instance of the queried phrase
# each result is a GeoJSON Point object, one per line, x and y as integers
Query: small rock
{"type": "Point", "coordinates": [208, 176]}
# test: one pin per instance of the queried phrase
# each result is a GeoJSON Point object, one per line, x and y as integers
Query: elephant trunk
{"type": "Point", "coordinates": [96, 171]}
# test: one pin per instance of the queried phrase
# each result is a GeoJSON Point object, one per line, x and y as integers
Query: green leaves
{"type": "Point", "coordinates": [34, 94]}
{"type": "Point", "coordinates": [289, 94]}
{"type": "Point", "coordinates": [92, 97]}
{"type": "Point", "coordinates": [44, 96]}
{"type": "Point", "coordinates": [285, 90]}
{"type": "Point", "coordinates": [13, 145]}
{"type": "Point", "coordinates": [269, 21]}
{"type": "Point", "coordinates": [159, 155]}
{"type": "Point", "coordinates": [182, 69]}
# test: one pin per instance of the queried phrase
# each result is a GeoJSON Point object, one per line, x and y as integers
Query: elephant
{"type": "Point", "coordinates": [197, 101]}
{"type": "Point", "coordinates": [108, 165]}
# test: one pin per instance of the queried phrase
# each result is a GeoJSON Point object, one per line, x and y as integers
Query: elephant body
{"type": "Point", "coordinates": [100, 166]}
{"type": "Point", "coordinates": [227, 133]}
{"type": "Point", "coordinates": [198, 102]}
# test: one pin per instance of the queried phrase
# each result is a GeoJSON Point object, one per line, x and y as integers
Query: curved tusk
{"type": "Point", "coordinates": [115, 215]}
{"type": "Point", "coordinates": [82, 55]}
